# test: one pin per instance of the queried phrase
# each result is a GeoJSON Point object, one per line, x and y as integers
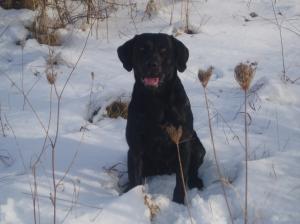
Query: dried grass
{"type": "Point", "coordinates": [18, 4]}
{"type": "Point", "coordinates": [151, 8]}
{"type": "Point", "coordinates": [153, 208]}
{"type": "Point", "coordinates": [117, 109]}
{"type": "Point", "coordinates": [44, 29]}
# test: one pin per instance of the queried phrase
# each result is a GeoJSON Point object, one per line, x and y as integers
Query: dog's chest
{"type": "Point", "coordinates": [156, 111]}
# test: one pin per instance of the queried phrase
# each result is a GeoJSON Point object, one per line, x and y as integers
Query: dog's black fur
{"type": "Point", "coordinates": [159, 100]}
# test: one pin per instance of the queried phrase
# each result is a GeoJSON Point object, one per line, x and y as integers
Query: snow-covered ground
{"type": "Point", "coordinates": [90, 158]}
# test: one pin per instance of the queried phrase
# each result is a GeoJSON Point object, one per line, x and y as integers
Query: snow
{"type": "Point", "coordinates": [90, 158]}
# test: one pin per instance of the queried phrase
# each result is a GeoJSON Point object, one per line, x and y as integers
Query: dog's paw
{"type": "Point", "coordinates": [178, 199]}
{"type": "Point", "coordinates": [178, 195]}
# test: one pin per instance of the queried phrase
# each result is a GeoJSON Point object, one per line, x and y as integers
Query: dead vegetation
{"type": "Point", "coordinates": [18, 4]}
{"type": "Point", "coordinates": [117, 109]}
{"type": "Point", "coordinates": [244, 73]}
{"type": "Point", "coordinates": [43, 32]}
{"type": "Point", "coordinates": [151, 8]}
{"type": "Point", "coordinates": [204, 77]}
{"type": "Point", "coordinates": [152, 206]}
{"type": "Point", "coordinates": [53, 15]}
{"type": "Point", "coordinates": [176, 134]}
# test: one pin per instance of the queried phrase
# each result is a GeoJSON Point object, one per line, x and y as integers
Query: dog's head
{"type": "Point", "coordinates": [155, 58]}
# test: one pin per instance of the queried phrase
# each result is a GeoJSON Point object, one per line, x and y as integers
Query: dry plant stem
{"type": "Point", "coordinates": [47, 131]}
{"type": "Point", "coordinates": [172, 12]}
{"type": "Point", "coordinates": [281, 42]}
{"type": "Point", "coordinates": [215, 157]}
{"type": "Point", "coordinates": [53, 199]}
{"type": "Point", "coordinates": [187, 16]}
{"type": "Point", "coordinates": [175, 134]}
{"type": "Point", "coordinates": [5, 29]}
{"type": "Point", "coordinates": [246, 161]}
{"type": "Point", "coordinates": [34, 195]}
{"type": "Point", "coordinates": [59, 11]}
{"type": "Point", "coordinates": [53, 146]}
{"type": "Point", "coordinates": [277, 131]}
{"type": "Point", "coordinates": [31, 107]}
{"type": "Point", "coordinates": [75, 66]}
{"type": "Point", "coordinates": [53, 142]}
{"type": "Point", "coordinates": [132, 17]}
{"type": "Point", "coordinates": [1, 122]}
{"type": "Point", "coordinates": [282, 26]}
{"type": "Point", "coordinates": [183, 182]}
{"type": "Point", "coordinates": [106, 22]}
{"type": "Point", "coordinates": [181, 10]}
{"type": "Point", "coordinates": [22, 73]}
{"type": "Point", "coordinates": [69, 201]}
{"type": "Point", "coordinates": [97, 23]}
{"type": "Point", "coordinates": [89, 6]}
{"type": "Point", "coordinates": [73, 201]}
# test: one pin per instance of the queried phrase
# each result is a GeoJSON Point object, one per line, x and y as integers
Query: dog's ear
{"type": "Point", "coordinates": [181, 54]}
{"type": "Point", "coordinates": [125, 54]}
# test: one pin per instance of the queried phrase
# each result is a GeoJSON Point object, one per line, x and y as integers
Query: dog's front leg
{"type": "Point", "coordinates": [135, 169]}
{"type": "Point", "coordinates": [182, 174]}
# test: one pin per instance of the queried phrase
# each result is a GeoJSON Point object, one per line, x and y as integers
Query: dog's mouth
{"type": "Point", "coordinates": [151, 81]}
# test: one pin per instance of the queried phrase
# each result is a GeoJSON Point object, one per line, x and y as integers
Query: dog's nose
{"type": "Point", "coordinates": [153, 64]}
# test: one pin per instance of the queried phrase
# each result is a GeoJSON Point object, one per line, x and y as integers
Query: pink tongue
{"type": "Point", "coordinates": [151, 81]}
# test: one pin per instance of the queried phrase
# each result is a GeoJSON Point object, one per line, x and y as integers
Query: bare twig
{"type": "Point", "coordinates": [216, 159]}
{"type": "Point", "coordinates": [187, 16]}
{"type": "Point", "coordinates": [4, 30]}
{"type": "Point", "coordinates": [53, 146]}
{"type": "Point", "coordinates": [296, 80]}
{"type": "Point", "coordinates": [172, 12]}
{"type": "Point", "coordinates": [284, 77]}
{"type": "Point", "coordinates": [246, 160]}
{"type": "Point", "coordinates": [30, 106]}
{"type": "Point", "coordinates": [1, 122]}
{"type": "Point", "coordinates": [277, 130]}
{"type": "Point", "coordinates": [68, 201]}
{"type": "Point", "coordinates": [75, 66]}
{"type": "Point", "coordinates": [22, 42]}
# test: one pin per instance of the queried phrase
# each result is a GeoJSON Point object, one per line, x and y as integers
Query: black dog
{"type": "Point", "coordinates": [159, 100]}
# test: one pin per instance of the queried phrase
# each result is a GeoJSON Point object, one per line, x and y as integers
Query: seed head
{"type": "Point", "coordinates": [204, 76]}
{"type": "Point", "coordinates": [174, 133]}
{"type": "Point", "coordinates": [244, 73]}
{"type": "Point", "coordinates": [51, 77]}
